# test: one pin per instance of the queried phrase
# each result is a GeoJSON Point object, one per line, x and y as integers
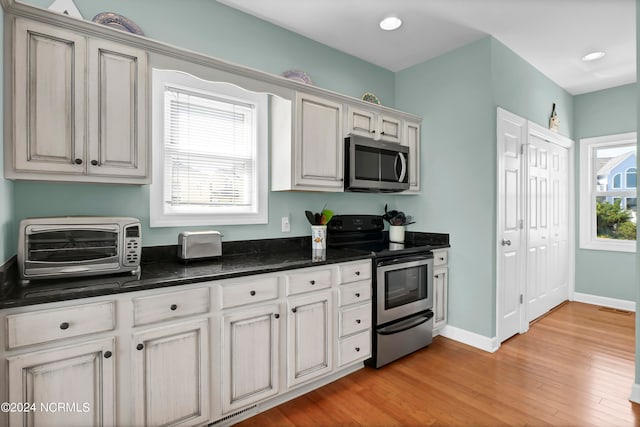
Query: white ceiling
{"type": "Point", "coordinates": [552, 35]}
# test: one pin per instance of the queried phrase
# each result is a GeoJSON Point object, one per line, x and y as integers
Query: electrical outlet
{"type": "Point", "coordinates": [286, 227]}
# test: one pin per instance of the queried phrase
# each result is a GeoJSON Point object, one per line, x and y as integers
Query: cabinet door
{"type": "Point", "coordinates": [310, 337]}
{"type": "Point", "coordinates": [117, 110]}
{"type": "Point", "coordinates": [390, 128]}
{"type": "Point", "coordinates": [318, 143]}
{"type": "Point", "coordinates": [49, 99]}
{"type": "Point", "coordinates": [411, 138]}
{"type": "Point", "coordinates": [171, 375]}
{"type": "Point", "coordinates": [82, 377]}
{"type": "Point", "coordinates": [361, 122]}
{"type": "Point", "coordinates": [250, 356]}
{"type": "Point", "coordinates": [440, 285]}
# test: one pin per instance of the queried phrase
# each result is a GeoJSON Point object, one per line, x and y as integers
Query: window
{"type": "Point", "coordinates": [607, 208]}
{"type": "Point", "coordinates": [209, 151]}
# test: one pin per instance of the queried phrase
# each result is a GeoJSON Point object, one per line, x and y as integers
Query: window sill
{"type": "Point", "coordinates": [621, 246]}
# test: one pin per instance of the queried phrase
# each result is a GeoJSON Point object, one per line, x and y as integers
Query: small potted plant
{"type": "Point", "coordinates": [397, 223]}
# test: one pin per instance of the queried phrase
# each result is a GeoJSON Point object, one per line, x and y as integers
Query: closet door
{"type": "Point", "coordinates": [558, 225]}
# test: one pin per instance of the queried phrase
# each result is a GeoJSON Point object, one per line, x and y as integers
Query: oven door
{"type": "Point", "coordinates": [404, 287]}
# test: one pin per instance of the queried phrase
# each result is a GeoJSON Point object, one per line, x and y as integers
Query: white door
{"type": "Point", "coordinates": [81, 377]}
{"type": "Point", "coordinates": [511, 131]}
{"type": "Point", "coordinates": [310, 337]}
{"type": "Point", "coordinates": [171, 375]}
{"type": "Point", "coordinates": [537, 291]}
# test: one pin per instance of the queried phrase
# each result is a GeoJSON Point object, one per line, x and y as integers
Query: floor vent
{"type": "Point", "coordinates": [616, 311]}
{"type": "Point", "coordinates": [235, 414]}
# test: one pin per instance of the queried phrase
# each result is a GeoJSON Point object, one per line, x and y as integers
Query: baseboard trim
{"type": "Point", "coordinates": [470, 338]}
{"type": "Point", "coordinates": [620, 304]}
{"type": "Point", "coordinates": [635, 393]}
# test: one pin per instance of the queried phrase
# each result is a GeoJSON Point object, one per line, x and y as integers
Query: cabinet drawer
{"type": "Point", "coordinates": [357, 347]}
{"type": "Point", "coordinates": [356, 272]}
{"type": "Point", "coordinates": [440, 258]}
{"type": "Point", "coordinates": [49, 325]}
{"type": "Point", "coordinates": [168, 306]}
{"type": "Point", "coordinates": [355, 292]}
{"type": "Point", "coordinates": [307, 281]}
{"type": "Point", "coordinates": [355, 319]}
{"type": "Point", "coordinates": [249, 292]}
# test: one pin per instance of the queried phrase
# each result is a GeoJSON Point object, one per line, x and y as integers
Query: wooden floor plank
{"type": "Point", "coordinates": [574, 367]}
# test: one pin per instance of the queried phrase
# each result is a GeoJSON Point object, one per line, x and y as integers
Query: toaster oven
{"type": "Point", "coordinates": [51, 248]}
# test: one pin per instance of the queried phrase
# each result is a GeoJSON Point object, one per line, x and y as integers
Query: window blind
{"type": "Point", "coordinates": [209, 150]}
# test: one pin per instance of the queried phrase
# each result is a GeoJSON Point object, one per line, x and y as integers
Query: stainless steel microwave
{"type": "Point", "coordinates": [58, 247]}
{"type": "Point", "coordinates": [375, 166]}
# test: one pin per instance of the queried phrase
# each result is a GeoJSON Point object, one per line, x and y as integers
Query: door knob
{"type": "Point", "coordinates": [506, 242]}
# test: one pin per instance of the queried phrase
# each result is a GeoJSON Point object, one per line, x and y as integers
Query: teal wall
{"type": "Point", "coordinates": [606, 112]}
{"type": "Point", "coordinates": [453, 93]}
{"type": "Point", "coordinates": [209, 27]}
{"type": "Point", "coordinates": [458, 94]}
{"type": "Point", "coordinates": [7, 233]}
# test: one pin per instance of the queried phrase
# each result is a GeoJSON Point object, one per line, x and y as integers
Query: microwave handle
{"type": "Point", "coordinates": [403, 165]}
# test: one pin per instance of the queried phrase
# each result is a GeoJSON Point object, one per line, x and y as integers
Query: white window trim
{"type": "Point", "coordinates": [158, 218]}
{"type": "Point", "coordinates": [588, 239]}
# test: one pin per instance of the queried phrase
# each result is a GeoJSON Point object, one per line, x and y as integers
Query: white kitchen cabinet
{"type": "Point", "coordinates": [250, 344]}
{"type": "Point", "coordinates": [373, 124]}
{"type": "Point", "coordinates": [79, 108]}
{"type": "Point", "coordinates": [312, 159]}
{"type": "Point", "coordinates": [171, 374]}
{"type": "Point", "coordinates": [440, 289]}
{"type": "Point", "coordinates": [81, 377]}
{"type": "Point", "coordinates": [309, 336]}
{"type": "Point", "coordinates": [411, 138]}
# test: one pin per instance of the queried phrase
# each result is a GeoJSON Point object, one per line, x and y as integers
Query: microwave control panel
{"type": "Point", "coordinates": [132, 245]}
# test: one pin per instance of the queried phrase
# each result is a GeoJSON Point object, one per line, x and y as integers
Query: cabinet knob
{"type": "Point", "coordinates": [173, 307]}
{"type": "Point", "coordinates": [373, 131]}
{"type": "Point", "coordinates": [78, 161]}
{"type": "Point", "coordinates": [357, 348]}
{"type": "Point", "coordinates": [94, 162]}
{"type": "Point", "coordinates": [357, 273]}
{"type": "Point", "coordinates": [313, 282]}
{"type": "Point", "coordinates": [294, 309]}
{"type": "Point", "coordinates": [107, 354]}
{"type": "Point", "coordinates": [441, 258]}
{"type": "Point", "coordinates": [381, 133]}
{"type": "Point", "coordinates": [252, 293]}
{"type": "Point", "coordinates": [139, 347]}
{"type": "Point", "coordinates": [277, 315]}
{"type": "Point", "coordinates": [358, 321]}
{"type": "Point", "coordinates": [357, 294]}
{"type": "Point", "coordinates": [64, 325]}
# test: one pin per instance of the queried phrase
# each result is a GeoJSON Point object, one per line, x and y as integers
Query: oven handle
{"type": "Point", "coordinates": [403, 326]}
{"type": "Point", "coordinates": [405, 259]}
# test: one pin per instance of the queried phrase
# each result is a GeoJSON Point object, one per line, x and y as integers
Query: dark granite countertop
{"type": "Point", "coordinates": [162, 268]}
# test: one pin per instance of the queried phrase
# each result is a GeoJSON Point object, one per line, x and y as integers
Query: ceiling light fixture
{"type": "Point", "coordinates": [390, 23]}
{"type": "Point", "coordinates": [592, 56]}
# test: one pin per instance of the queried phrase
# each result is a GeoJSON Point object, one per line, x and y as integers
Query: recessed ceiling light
{"type": "Point", "coordinates": [592, 56]}
{"type": "Point", "coordinates": [390, 23]}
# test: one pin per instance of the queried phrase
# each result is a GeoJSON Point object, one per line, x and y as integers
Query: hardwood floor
{"type": "Point", "coordinates": [574, 367]}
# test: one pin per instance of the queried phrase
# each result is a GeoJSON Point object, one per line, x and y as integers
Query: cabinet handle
{"type": "Point", "coordinates": [357, 273]}
{"type": "Point", "coordinates": [357, 294]}
{"type": "Point", "coordinates": [441, 258]}
{"type": "Point", "coordinates": [173, 307]}
{"type": "Point", "coordinates": [373, 131]}
{"type": "Point", "coordinates": [294, 309]}
{"type": "Point", "coordinates": [313, 282]}
{"type": "Point", "coordinates": [94, 162]}
{"type": "Point", "coordinates": [277, 315]}
{"type": "Point", "coordinates": [358, 321]}
{"type": "Point", "coordinates": [107, 354]}
{"type": "Point", "coordinates": [78, 161]}
{"type": "Point", "coordinates": [357, 348]}
{"type": "Point", "coordinates": [252, 293]}
{"type": "Point", "coordinates": [64, 325]}
{"type": "Point", "coordinates": [139, 347]}
{"type": "Point", "coordinates": [381, 133]}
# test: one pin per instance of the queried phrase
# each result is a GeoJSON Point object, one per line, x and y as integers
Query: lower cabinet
{"type": "Point", "coordinates": [171, 374]}
{"type": "Point", "coordinates": [79, 377]}
{"type": "Point", "coordinates": [310, 337]}
{"type": "Point", "coordinates": [440, 289]}
{"type": "Point", "coordinates": [250, 341]}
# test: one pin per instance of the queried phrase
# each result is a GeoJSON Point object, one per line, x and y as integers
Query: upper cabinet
{"type": "Point", "coordinates": [374, 125]}
{"type": "Point", "coordinates": [79, 108]}
{"type": "Point", "coordinates": [411, 138]}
